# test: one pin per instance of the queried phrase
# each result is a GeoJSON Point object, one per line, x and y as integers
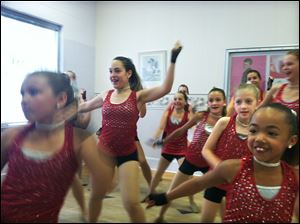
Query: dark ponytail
{"type": "Point", "coordinates": [134, 80]}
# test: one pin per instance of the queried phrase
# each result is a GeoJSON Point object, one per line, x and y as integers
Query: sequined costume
{"type": "Point", "coordinates": [34, 190]}
{"type": "Point", "coordinates": [119, 126]}
{"type": "Point", "coordinates": [244, 204]}
{"type": "Point", "coordinates": [176, 146]}
{"type": "Point", "coordinates": [193, 152]}
{"type": "Point", "coordinates": [294, 105]}
{"type": "Point", "coordinates": [230, 145]}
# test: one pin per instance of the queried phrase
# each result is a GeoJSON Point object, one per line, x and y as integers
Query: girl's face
{"type": "Point", "coordinates": [118, 75]}
{"type": "Point", "coordinates": [179, 101]}
{"type": "Point", "coordinates": [38, 101]}
{"type": "Point", "coordinates": [254, 79]}
{"type": "Point", "coordinates": [269, 135]}
{"type": "Point", "coordinates": [245, 103]}
{"type": "Point", "coordinates": [290, 67]}
{"type": "Point", "coordinates": [216, 102]}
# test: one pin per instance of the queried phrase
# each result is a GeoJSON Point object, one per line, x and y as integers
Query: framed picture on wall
{"type": "Point", "coordinates": [152, 67]}
{"type": "Point", "coordinates": [266, 60]}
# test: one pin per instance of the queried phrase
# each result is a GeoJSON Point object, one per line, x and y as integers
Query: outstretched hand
{"type": "Point", "coordinates": [175, 51]}
{"type": "Point", "coordinates": [156, 199]}
{"type": "Point", "coordinates": [155, 142]}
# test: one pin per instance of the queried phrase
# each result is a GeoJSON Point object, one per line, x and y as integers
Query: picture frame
{"type": "Point", "coordinates": [152, 67]}
{"type": "Point", "coordinates": [266, 60]}
{"type": "Point", "coordinates": [198, 102]}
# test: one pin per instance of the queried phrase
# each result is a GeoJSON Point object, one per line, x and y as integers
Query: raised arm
{"type": "Point", "coordinates": [83, 120]}
{"type": "Point", "coordinates": [230, 107]}
{"type": "Point", "coordinates": [143, 111]}
{"type": "Point", "coordinates": [211, 142]}
{"type": "Point", "coordinates": [269, 96]}
{"type": "Point", "coordinates": [151, 94]}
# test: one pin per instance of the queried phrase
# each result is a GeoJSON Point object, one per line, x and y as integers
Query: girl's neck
{"type": "Point", "coordinates": [48, 127]}
{"type": "Point", "coordinates": [244, 123]}
{"type": "Point", "coordinates": [123, 90]}
{"type": "Point", "coordinates": [216, 116]}
{"type": "Point", "coordinates": [179, 110]}
{"type": "Point", "coordinates": [265, 164]}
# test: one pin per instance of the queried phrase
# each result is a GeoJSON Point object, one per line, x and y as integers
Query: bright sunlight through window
{"type": "Point", "coordinates": [27, 44]}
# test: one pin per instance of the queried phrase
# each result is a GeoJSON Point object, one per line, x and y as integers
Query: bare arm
{"type": "Point", "coordinates": [4, 148]}
{"type": "Point", "coordinates": [230, 107]}
{"type": "Point", "coordinates": [7, 137]}
{"type": "Point", "coordinates": [151, 94]}
{"type": "Point", "coordinates": [162, 125]}
{"type": "Point", "coordinates": [269, 96]}
{"type": "Point", "coordinates": [180, 131]}
{"type": "Point", "coordinates": [211, 143]}
{"type": "Point", "coordinates": [99, 171]}
{"type": "Point", "coordinates": [143, 111]}
{"type": "Point", "coordinates": [90, 105]}
{"type": "Point", "coordinates": [83, 120]}
{"type": "Point", "coordinates": [223, 173]}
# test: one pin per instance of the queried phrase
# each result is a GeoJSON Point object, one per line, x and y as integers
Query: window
{"type": "Point", "coordinates": [27, 44]}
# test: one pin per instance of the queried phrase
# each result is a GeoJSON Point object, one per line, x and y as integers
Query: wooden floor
{"type": "Point", "coordinates": [113, 211]}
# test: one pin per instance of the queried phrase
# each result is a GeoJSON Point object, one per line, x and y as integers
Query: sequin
{"type": "Point", "coordinates": [230, 146]}
{"type": "Point", "coordinates": [178, 145]}
{"type": "Point", "coordinates": [29, 183]}
{"type": "Point", "coordinates": [119, 126]}
{"type": "Point", "coordinates": [294, 105]}
{"type": "Point", "coordinates": [194, 151]}
{"type": "Point", "coordinates": [252, 208]}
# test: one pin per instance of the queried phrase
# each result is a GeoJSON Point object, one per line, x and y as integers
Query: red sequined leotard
{"type": "Point", "coordinates": [176, 146]}
{"type": "Point", "coordinates": [34, 190]}
{"type": "Point", "coordinates": [294, 105]}
{"type": "Point", "coordinates": [119, 126]}
{"type": "Point", "coordinates": [230, 145]}
{"type": "Point", "coordinates": [193, 153]}
{"type": "Point", "coordinates": [244, 204]}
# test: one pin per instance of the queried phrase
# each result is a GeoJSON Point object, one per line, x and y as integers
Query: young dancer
{"type": "Point", "coordinates": [262, 187]}
{"type": "Point", "coordinates": [43, 156]}
{"type": "Point", "coordinates": [228, 140]}
{"type": "Point", "coordinates": [120, 111]}
{"type": "Point", "coordinates": [287, 93]}
{"type": "Point", "coordinates": [193, 159]}
{"type": "Point", "coordinates": [177, 116]}
{"type": "Point", "coordinates": [253, 77]}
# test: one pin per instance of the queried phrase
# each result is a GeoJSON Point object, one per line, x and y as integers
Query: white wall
{"type": "Point", "coordinates": [206, 30]}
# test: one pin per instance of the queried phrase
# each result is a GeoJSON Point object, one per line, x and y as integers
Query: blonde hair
{"type": "Point", "coordinates": [250, 87]}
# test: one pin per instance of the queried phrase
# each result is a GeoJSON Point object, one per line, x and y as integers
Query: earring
{"type": "Point", "coordinates": [290, 146]}
{"type": "Point", "coordinates": [58, 106]}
